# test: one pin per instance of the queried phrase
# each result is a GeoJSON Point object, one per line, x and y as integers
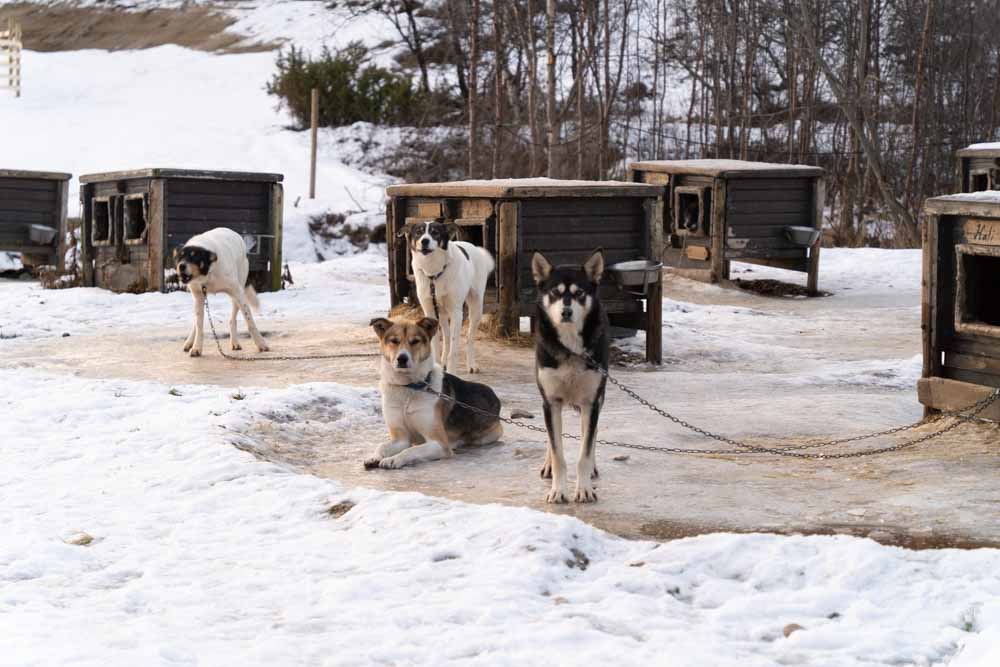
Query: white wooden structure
{"type": "Point", "coordinates": [10, 57]}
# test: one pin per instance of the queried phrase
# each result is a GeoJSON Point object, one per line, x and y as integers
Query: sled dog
{"type": "Point", "coordinates": [422, 425]}
{"type": "Point", "coordinates": [571, 324]}
{"type": "Point", "coordinates": [216, 261]}
{"type": "Point", "coordinates": [449, 274]}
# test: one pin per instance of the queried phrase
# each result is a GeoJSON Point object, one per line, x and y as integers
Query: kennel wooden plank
{"type": "Point", "coordinates": [187, 175]}
{"type": "Point", "coordinates": [727, 168]}
{"type": "Point", "coordinates": [246, 200]}
{"type": "Point", "coordinates": [244, 216]}
{"type": "Point", "coordinates": [508, 216]}
{"type": "Point", "coordinates": [10, 193]}
{"type": "Point", "coordinates": [523, 188]}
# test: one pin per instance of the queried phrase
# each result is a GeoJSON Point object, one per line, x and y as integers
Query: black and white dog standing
{"type": "Point", "coordinates": [449, 274]}
{"type": "Point", "coordinates": [216, 261]}
{"type": "Point", "coordinates": [571, 323]}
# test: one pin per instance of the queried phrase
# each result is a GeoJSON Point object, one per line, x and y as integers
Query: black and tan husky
{"type": "Point", "coordinates": [571, 325]}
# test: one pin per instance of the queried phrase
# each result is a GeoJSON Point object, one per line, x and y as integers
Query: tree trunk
{"type": "Point", "coordinates": [418, 48]}
{"type": "Point", "coordinates": [550, 101]}
{"type": "Point", "coordinates": [916, 152]}
{"type": "Point", "coordinates": [498, 104]}
{"type": "Point", "coordinates": [474, 89]}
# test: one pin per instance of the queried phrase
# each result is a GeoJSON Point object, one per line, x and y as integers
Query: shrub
{"type": "Point", "coordinates": [351, 88]}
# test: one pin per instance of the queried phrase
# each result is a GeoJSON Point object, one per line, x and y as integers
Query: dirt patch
{"type": "Point", "coordinates": [777, 288]}
{"type": "Point", "coordinates": [69, 28]}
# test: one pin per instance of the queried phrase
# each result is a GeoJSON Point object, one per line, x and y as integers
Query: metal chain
{"type": "Point", "coordinates": [308, 357]}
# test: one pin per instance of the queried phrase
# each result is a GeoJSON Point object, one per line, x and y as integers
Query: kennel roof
{"type": "Point", "coordinates": [726, 168]}
{"type": "Point", "coordinates": [44, 175]}
{"type": "Point", "coordinates": [968, 203]}
{"type": "Point", "coordinates": [980, 150]}
{"type": "Point", "coordinates": [197, 174]}
{"type": "Point", "coordinates": [524, 188]}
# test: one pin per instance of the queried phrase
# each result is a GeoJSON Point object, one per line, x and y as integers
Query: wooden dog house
{"type": "Point", "coordinates": [565, 220]}
{"type": "Point", "coordinates": [133, 221]}
{"type": "Point", "coordinates": [718, 211]}
{"type": "Point", "coordinates": [961, 301]}
{"type": "Point", "coordinates": [33, 214]}
{"type": "Point", "coordinates": [979, 168]}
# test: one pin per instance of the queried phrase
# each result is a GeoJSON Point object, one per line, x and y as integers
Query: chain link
{"type": "Point", "coordinates": [962, 416]}
{"type": "Point", "coordinates": [308, 357]}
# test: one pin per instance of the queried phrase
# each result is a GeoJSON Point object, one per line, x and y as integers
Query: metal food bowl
{"type": "Point", "coordinates": [41, 234]}
{"type": "Point", "coordinates": [637, 273]}
{"type": "Point", "coordinates": [803, 236]}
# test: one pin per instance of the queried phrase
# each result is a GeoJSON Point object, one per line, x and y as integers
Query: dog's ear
{"type": "Point", "coordinates": [594, 267]}
{"type": "Point", "coordinates": [212, 258]}
{"type": "Point", "coordinates": [380, 325]}
{"type": "Point", "coordinates": [453, 230]}
{"type": "Point", "coordinates": [429, 325]}
{"type": "Point", "coordinates": [405, 231]}
{"type": "Point", "coordinates": [540, 267]}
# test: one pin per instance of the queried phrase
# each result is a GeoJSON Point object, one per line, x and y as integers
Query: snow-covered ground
{"type": "Point", "coordinates": [202, 554]}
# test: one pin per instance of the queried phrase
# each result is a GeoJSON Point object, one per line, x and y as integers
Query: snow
{"type": "Point", "coordinates": [986, 196]}
{"type": "Point", "coordinates": [988, 146]}
{"type": "Point", "coordinates": [203, 555]}
{"type": "Point", "coordinates": [168, 107]}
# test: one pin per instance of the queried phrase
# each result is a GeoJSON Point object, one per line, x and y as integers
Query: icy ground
{"type": "Point", "coordinates": [202, 554]}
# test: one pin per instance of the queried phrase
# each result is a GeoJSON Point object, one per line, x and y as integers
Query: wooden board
{"type": "Point", "coordinates": [188, 174]}
{"type": "Point", "coordinates": [947, 394]}
{"type": "Point", "coordinates": [979, 231]}
{"type": "Point", "coordinates": [726, 168]}
{"type": "Point", "coordinates": [697, 253]}
{"type": "Point", "coordinates": [529, 188]}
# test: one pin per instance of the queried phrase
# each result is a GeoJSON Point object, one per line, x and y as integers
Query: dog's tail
{"type": "Point", "coordinates": [251, 295]}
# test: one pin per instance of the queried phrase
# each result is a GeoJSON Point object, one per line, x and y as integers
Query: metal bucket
{"type": "Point", "coordinates": [41, 234]}
{"type": "Point", "coordinates": [803, 236]}
{"type": "Point", "coordinates": [637, 273]}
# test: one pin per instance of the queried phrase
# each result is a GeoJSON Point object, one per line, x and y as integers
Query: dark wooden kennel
{"type": "Point", "coordinates": [33, 215]}
{"type": "Point", "coordinates": [979, 169]}
{"type": "Point", "coordinates": [961, 302]}
{"type": "Point", "coordinates": [513, 219]}
{"type": "Point", "coordinates": [741, 211]}
{"type": "Point", "coordinates": [133, 221]}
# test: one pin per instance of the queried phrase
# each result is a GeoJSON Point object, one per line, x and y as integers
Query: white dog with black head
{"type": "Point", "coordinates": [215, 262]}
{"type": "Point", "coordinates": [449, 274]}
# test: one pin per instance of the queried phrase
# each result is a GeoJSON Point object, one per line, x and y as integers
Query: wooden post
{"type": "Point", "coordinates": [819, 195]}
{"type": "Point", "coordinates": [277, 218]}
{"type": "Point", "coordinates": [63, 195]}
{"type": "Point", "coordinates": [156, 234]}
{"type": "Point", "coordinates": [390, 243]}
{"type": "Point", "coordinates": [86, 250]}
{"type": "Point", "coordinates": [509, 311]}
{"type": "Point", "coordinates": [312, 160]}
{"type": "Point", "coordinates": [654, 321]}
{"type": "Point", "coordinates": [718, 229]}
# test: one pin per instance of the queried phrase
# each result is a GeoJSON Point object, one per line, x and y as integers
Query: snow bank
{"type": "Point", "coordinates": [203, 555]}
{"type": "Point", "coordinates": [173, 107]}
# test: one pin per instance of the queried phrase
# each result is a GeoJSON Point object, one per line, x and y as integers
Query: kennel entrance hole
{"type": "Point", "coordinates": [691, 206]}
{"type": "Point", "coordinates": [980, 181]}
{"type": "Point", "coordinates": [135, 219]}
{"type": "Point", "coordinates": [101, 233]}
{"type": "Point", "coordinates": [982, 289]}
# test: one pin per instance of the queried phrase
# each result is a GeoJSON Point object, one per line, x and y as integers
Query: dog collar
{"type": "Point", "coordinates": [423, 384]}
{"type": "Point", "coordinates": [436, 275]}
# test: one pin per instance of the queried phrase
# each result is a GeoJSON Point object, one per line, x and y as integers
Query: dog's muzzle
{"type": "Point", "coordinates": [403, 361]}
{"type": "Point", "coordinates": [185, 277]}
{"type": "Point", "coordinates": [567, 314]}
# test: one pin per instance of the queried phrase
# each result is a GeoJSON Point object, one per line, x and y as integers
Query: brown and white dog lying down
{"type": "Point", "coordinates": [422, 426]}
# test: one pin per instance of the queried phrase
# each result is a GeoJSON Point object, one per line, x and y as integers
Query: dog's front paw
{"type": "Point", "coordinates": [235, 347]}
{"type": "Point", "coordinates": [187, 347]}
{"type": "Point", "coordinates": [195, 352]}
{"type": "Point", "coordinates": [262, 348]}
{"type": "Point", "coordinates": [391, 463]}
{"type": "Point", "coordinates": [584, 494]}
{"type": "Point", "coordinates": [556, 495]}
{"type": "Point", "coordinates": [371, 463]}
{"type": "Point", "coordinates": [546, 472]}
{"type": "Point", "coordinates": [473, 369]}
